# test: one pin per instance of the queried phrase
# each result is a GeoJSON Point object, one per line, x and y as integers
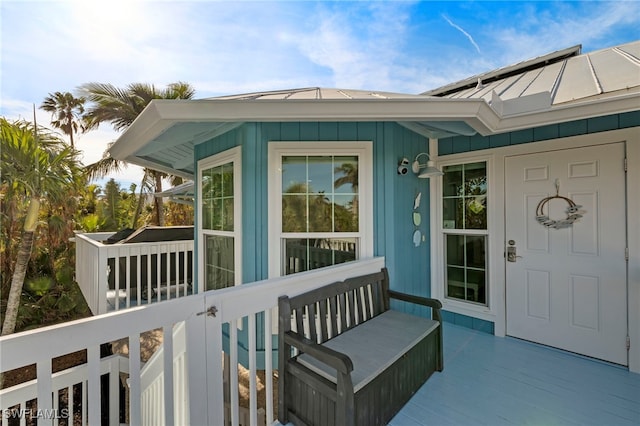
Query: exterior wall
{"type": "Point", "coordinates": [459, 144]}
{"type": "Point", "coordinates": [589, 132]}
{"type": "Point", "coordinates": [393, 197]}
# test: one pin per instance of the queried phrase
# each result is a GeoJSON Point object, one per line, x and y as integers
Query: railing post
{"type": "Point", "coordinates": [102, 285]}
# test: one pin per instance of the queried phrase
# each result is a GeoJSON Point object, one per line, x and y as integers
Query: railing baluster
{"type": "Point", "coordinates": [253, 386]}
{"type": "Point", "coordinates": [93, 391]}
{"type": "Point", "coordinates": [134, 380]}
{"type": "Point", "coordinates": [114, 392]}
{"type": "Point", "coordinates": [167, 347]}
{"type": "Point", "coordinates": [127, 272]}
{"type": "Point", "coordinates": [233, 373]}
{"type": "Point", "coordinates": [268, 364]}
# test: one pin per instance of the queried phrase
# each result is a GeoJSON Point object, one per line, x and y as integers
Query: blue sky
{"type": "Point", "coordinates": [226, 48]}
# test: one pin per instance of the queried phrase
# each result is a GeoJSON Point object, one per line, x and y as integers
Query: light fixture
{"type": "Point", "coordinates": [430, 169]}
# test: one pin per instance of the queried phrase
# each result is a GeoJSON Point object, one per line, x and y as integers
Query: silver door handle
{"type": "Point", "coordinates": [511, 254]}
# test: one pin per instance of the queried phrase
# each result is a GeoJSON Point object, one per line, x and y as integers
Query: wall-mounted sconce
{"type": "Point", "coordinates": [430, 169]}
{"type": "Point", "coordinates": [403, 166]}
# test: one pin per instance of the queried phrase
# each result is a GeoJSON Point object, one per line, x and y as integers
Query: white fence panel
{"type": "Point", "coordinates": [193, 337]}
{"type": "Point", "coordinates": [117, 276]}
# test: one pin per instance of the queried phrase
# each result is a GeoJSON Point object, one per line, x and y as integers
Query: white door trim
{"type": "Point", "coordinates": [497, 230]}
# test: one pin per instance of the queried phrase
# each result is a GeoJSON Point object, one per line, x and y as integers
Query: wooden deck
{"type": "Point", "coordinates": [495, 381]}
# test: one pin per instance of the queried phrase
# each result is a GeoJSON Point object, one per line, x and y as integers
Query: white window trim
{"type": "Point", "coordinates": [276, 150]}
{"type": "Point", "coordinates": [438, 284]}
{"type": "Point", "coordinates": [233, 155]}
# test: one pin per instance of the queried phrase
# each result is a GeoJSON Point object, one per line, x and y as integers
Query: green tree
{"type": "Point", "coordinates": [36, 168]}
{"type": "Point", "coordinates": [120, 107]}
{"type": "Point", "coordinates": [66, 112]}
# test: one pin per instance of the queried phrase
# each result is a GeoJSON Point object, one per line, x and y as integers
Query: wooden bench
{"type": "Point", "coordinates": [356, 362]}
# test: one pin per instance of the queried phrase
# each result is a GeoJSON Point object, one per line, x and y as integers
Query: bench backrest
{"type": "Point", "coordinates": [330, 310]}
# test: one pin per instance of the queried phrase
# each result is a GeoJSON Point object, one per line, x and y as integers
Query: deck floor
{"type": "Point", "coordinates": [497, 381]}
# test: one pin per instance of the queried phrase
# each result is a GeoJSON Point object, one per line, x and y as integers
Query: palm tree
{"type": "Point", "coordinates": [120, 107]}
{"type": "Point", "coordinates": [66, 112]}
{"type": "Point", "coordinates": [33, 167]}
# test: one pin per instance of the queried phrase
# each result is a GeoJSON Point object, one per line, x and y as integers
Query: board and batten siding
{"type": "Point", "coordinates": [460, 144]}
{"type": "Point", "coordinates": [393, 196]}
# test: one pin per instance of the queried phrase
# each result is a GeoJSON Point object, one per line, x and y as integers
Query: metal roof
{"type": "Point", "coordinates": [317, 93]}
{"type": "Point", "coordinates": [558, 87]}
{"type": "Point", "coordinates": [566, 76]}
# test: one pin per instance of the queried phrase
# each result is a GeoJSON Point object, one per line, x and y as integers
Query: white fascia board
{"type": "Point", "coordinates": [410, 109]}
{"type": "Point", "coordinates": [570, 112]}
{"type": "Point", "coordinates": [148, 125]}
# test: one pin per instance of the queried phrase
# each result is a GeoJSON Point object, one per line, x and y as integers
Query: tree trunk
{"type": "Point", "coordinates": [158, 200]}
{"type": "Point", "coordinates": [20, 270]}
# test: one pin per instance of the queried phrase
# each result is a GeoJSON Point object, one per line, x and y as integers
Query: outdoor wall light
{"type": "Point", "coordinates": [430, 169]}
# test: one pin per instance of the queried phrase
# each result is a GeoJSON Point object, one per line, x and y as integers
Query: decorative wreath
{"type": "Point", "coordinates": [573, 213]}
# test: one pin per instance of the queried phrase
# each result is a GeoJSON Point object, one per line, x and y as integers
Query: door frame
{"type": "Point", "coordinates": [496, 158]}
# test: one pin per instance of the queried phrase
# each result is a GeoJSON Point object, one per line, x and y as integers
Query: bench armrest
{"type": "Point", "coordinates": [425, 301]}
{"type": "Point", "coordinates": [435, 304]}
{"type": "Point", "coordinates": [341, 362]}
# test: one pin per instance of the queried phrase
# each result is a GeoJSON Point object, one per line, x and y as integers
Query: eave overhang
{"type": "Point", "coordinates": [157, 130]}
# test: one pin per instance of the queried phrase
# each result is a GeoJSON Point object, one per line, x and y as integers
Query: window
{"type": "Point", "coordinates": [320, 201]}
{"type": "Point", "coordinates": [219, 219]}
{"type": "Point", "coordinates": [465, 233]}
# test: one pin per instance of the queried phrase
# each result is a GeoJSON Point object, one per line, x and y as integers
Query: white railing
{"type": "Point", "coordinates": [187, 387]}
{"type": "Point", "coordinates": [66, 386]}
{"type": "Point", "coordinates": [116, 276]}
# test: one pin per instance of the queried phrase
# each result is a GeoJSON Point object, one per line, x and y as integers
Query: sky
{"type": "Point", "coordinates": [233, 47]}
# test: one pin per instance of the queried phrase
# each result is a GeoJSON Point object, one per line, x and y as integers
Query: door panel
{"type": "Point", "coordinates": [567, 287]}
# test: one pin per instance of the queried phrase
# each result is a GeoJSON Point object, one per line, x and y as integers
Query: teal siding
{"type": "Point", "coordinates": [393, 197]}
{"type": "Point", "coordinates": [468, 322]}
{"type": "Point", "coordinates": [459, 144]}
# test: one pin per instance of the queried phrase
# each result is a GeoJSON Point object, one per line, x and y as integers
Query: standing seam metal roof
{"type": "Point", "coordinates": [566, 75]}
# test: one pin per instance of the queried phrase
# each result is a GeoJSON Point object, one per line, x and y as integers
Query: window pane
{"type": "Point", "coordinates": [227, 214]}
{"type": "Point", "coordinates": [346, 175]}
{"type": "Point", "coordinates": [455, 250]}
{"type": "Point", "coordinates": [294, 213]}
{"type": "Point", "coordinates": [313, 253]}
{"type": "Point", "coordinates": [452, 213]}
{"type": "Point", "coordinates": [320, 175]}
{"type": "Point", "coordinates": [345, 212]}
{"type": "Point", "coordinates": [294, 175]}
{"type": "Point", "coordinates": [475, 251]}
{"type": "Point", "coordinates": [475, 212]}
{"type": "Point", "coordinates": [455, 282]}
{"type": "Point", "coordinates": [476, 286]}
{"type": "Point", "coordinates": [227, 180]}
{"type": "Point", "coordinates": [452, 181]}
{"type": "Point", "coordinates": [475, 179]}
{"type": "Point", "coordinates": [320, 213]}
{"type": "Point", "coordinates": [217, 198]}
{"type": "Point", "coordinates": [216, 214]}
{"type": "Point", "coordinates": [219, 258]}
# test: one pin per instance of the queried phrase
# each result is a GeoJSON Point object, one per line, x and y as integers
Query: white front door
{"type": "Point", "coordinates": [567, 287]}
